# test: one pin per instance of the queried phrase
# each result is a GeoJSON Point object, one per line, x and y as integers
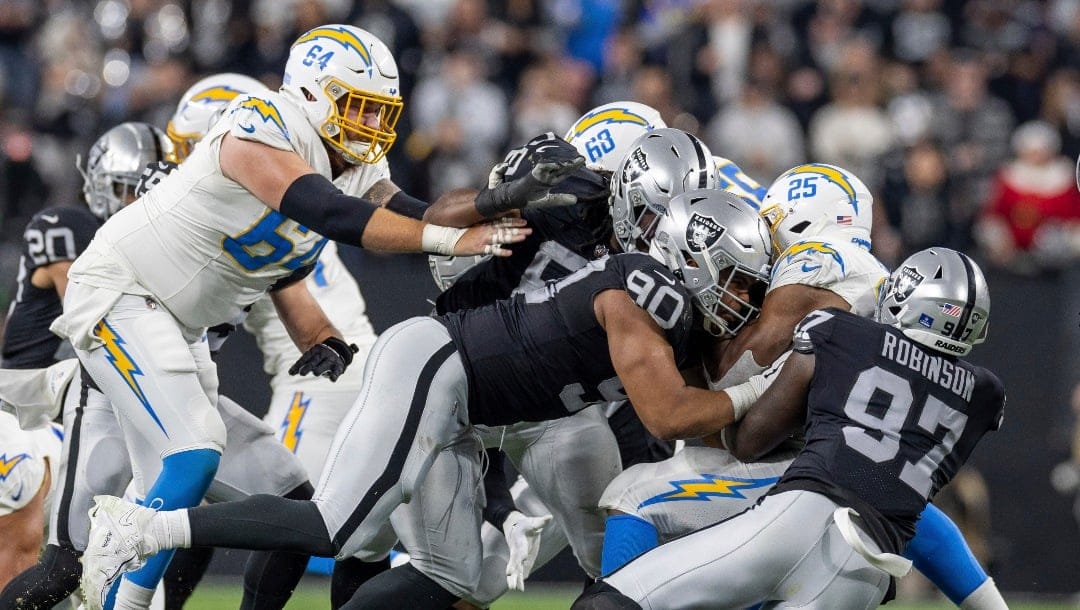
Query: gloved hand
{"type": "Point", "coordinates": [327, 359]}
{"type": "Point", "coordinates": [523, 537]}
{"type": "Point", "coordinates": [535, 168]}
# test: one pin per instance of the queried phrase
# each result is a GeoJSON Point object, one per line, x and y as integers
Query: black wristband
{"type": "Point", "coordinates": [343, 349]}
{"type": "Point", "coordinates": [316, 203]}
{"type": "Point", "coordinates": [407, 205]}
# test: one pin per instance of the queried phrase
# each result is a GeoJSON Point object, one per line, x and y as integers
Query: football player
{"type": "Point", "coordinates": [890, 413]}
{"type": "Point", "coordinates": [537, 356]}
{"type": "Point", "coordinates": [819, 217]}
{"type": "Point", "coordinates": [250, 209]}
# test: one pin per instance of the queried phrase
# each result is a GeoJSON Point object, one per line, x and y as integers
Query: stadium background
{"type": "Point", "coordinates": [946, 109]}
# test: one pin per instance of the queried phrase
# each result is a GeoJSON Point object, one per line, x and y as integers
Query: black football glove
{"type": "Point", "coordinates": [544, 162]}
{"type": "Point", "coordinates": [327, 359]}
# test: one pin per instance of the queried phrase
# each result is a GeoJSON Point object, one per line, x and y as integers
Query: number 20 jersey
{"type": "Point", "coordinates": [543, 355]}
{"type": "Point", "coordinates": [889, 421]}
{"type": "Point", "coordinates": [53, 235]}
{"type": "Point", "coordinates": [199, 242]}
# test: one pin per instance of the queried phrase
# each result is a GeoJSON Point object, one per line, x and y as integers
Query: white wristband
{"type": "Point", "coordinates": [437, 239]}
{"type": "Point", "coordinates": [746, 394]}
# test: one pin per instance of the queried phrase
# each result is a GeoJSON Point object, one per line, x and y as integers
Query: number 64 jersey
{"type": "Point", "coordinates": [889, 422]}
{"type": "Point", "coordinates": [542, 354]}
{"type": "Point", "coordinates": [198, 242]}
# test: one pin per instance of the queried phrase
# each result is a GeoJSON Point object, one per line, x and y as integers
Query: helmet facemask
{"type": "Point", "coordinates": [346, 130]}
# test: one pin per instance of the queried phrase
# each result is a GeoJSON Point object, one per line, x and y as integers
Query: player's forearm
{"type": "Point", "coordinates": [456, 208]}
{"type": "Point", "coordinates": [685, 413]}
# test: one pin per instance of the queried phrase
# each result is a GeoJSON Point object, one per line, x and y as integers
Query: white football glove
{"type": "Point", "coordinates": [523, 537]}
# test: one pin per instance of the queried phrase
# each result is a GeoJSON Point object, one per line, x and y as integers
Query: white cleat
{"type": "Point", "coordinates": [117, 529]}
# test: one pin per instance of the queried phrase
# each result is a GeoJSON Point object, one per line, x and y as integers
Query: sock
{"type": "Point", "coordinates": [625, 537]}
{"type": "Point", "coordinates": [940, 552]}
{"type": "Point", "coordinates": [131, 596]}
{"type": "Point", "coordinates": [169, 529]}
{"type": "Point", "coordinates": [986, 597]}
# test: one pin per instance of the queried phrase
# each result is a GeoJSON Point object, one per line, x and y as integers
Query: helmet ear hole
{"type": "Point", "coordinates": [307, 94]}
{"type": "Point", "coordinates": [938, 276]}
{"type": "Point", "coordinates": [895, 310]}
{"type": "Point", "coordinates": [799, 228]}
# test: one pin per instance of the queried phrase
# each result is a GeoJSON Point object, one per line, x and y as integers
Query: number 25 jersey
{"type": "Point", "coordinates": [543, 355]}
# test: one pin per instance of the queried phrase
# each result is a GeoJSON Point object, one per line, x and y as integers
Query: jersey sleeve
{"type": "Point", "coordinates": [654, 288]}
{"type": "Point", "coordinates": [810, 263]}
{"type": "Point", "coordinates": [813, 330]}
{"type": "Point", "coordinates": [21, 475]}
{"type": "Point", "coordinates": [262, 120]}
{"type": "Point", "coordinates": [58, 234]}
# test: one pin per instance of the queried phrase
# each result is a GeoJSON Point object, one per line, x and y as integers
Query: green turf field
{"type": "Point", "coordinates": [314, 595]}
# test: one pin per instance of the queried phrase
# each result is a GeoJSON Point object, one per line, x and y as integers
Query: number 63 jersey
{"type": "Point", "coordinates": [889, 421]}
{"type": "Point", "coordinates": [543, 355]}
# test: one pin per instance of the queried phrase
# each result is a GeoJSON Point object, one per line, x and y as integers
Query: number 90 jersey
{"type": "Point", "coordinates": [200, 243]}
{"type": "Point", "coordinates": [889, 422]}
{"type": "Point", "coordinates": [543, 355]}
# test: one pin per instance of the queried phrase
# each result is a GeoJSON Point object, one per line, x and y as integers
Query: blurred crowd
{"type": "Point", "coordinates": [962, 116]}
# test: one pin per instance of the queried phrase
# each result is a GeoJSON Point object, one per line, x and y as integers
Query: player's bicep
{"type": "Point", "coordinates": [778, 413]}
{"type": "Point", "coordinates": [640, 353]}
{"type": "Point", "coordinates": [263, 170]}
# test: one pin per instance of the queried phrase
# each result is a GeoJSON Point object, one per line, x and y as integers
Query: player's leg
{"type": "Point", "coordinates": [940, 552]}
{"type": "Point", "coordinates": [699, 486]}
{"type": "Point", "coordinates": [567, 468]}
{"type": "Point", "coordinates": [93, 461]}
{"type": "Point", "coordinates": [375, 464]}
{"type": "Point", "coordinates": [163, 387]}
{"type": "Point", "coordinates": [440, 527]}
{"type": "Point", "coordinates": [351, 573]}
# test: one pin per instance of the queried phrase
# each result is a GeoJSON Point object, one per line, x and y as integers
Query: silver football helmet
{"type": "Point", "coordinates": [115, 163]}
{"type": "Point", "coordinates": [719, 247]}
{"type": "Point", "coordinates": [937, 297]}
{"type": "Point", "coordinates": [661, 164]}
{"type": "Point", "coordinates": [446, 270]}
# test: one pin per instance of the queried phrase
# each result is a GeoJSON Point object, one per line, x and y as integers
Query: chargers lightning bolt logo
{"type": "Point", "coordinates": [341, 35]}
{"type": "Point", "coordinates": [264, 110]}
{"type": "Point", "coordinates": [8, 464]}
{"type": "Point", "coordinates": [290, 426]}
{"type": "Point", "coordinates": [221, 94]}
{"type": "Point", "coordinates": [812, 246]}
{"type": "Point", "coordinates": [122, 362]}
{"type": "Point", "coordinates": [707, 487]}
{"type": "Point", "coordinates": [832, 174]}
{"type": "Point", "coordinates": [611, 115]}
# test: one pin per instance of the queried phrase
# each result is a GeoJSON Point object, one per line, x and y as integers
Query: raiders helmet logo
{"type": "Point", "coordinates": [906, 283]}
{"type": "Point", "coordinates": [702, 232]}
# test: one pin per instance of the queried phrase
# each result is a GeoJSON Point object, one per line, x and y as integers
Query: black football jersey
{"type": "Point", "coordinates": [542, 354]}
{"type": "Point", "coordinates": [53, 235]}
{"type": "Point", "coordinates": [563, 238]}
{"type": "Point", "coordinates": [888, 422]}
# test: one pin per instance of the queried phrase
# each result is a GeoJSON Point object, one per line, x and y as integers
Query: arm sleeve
{"type": "Point", "coordinates": [499, 501]}
{"type": "Point", "coordinates": [316, 203]}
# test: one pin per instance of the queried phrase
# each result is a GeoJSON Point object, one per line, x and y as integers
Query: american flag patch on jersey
{"type": "Point", "coordinates": [951, 310]}
{"type": "Point", "coordinates": [843, 220]}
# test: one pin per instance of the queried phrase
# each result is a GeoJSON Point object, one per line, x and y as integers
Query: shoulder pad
{"type": "Point", "coordinates": [261, 119]}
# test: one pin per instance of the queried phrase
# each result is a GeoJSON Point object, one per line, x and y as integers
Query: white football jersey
{"type": "Point", "coordinates": [845, 268]}
{"type": "Point", "coordinates": [201, 244]}
{"type": "Point", "coordinates": [23, 456]}
{"type": "Point", "coordinates": [337, 293]}
{"type": "Point", "coordinates": [332, 286]}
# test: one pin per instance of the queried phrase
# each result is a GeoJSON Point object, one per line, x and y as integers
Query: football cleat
{"type": "Point", "coordinates": [116, 546]}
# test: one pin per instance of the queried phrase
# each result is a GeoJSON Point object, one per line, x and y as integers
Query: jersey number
{"type": "Point", "coordinates": [263, 245]}
{"type": "Point", "coordinates": [660, 299]}
{"type": "Point", "coordinates": [316, 56]}
{"type": "Point", "coordinates": [55, 244]}
{"type": "Point", "coordinates": [600, 145]}
{"type": "Point", "coordinates": [575, 398]}
{"type": "Point", "coordinates": [802, 187]}
{"type": "Point", "coordinates": [935, 417]}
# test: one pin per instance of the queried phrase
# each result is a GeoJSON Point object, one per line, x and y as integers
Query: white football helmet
{"type": "Point", "coordinates": [115, 163]}
{"type": "Point", "coordinates": [604, 134]}
{"type": "Point", "coordinates": [818, 201]}
{"type": "Point", "coordinates": [336, 74]}
{"type": "Point", "coordinates": [446, 270]}
{"type": "Point", "coordinates": [937, 297]}
{"type": "Point", "coordinates": [718, 246]}
{"type": "Point", "coordinates": [661, 163]}
{"type": "Point", "coordinates": [201, 106]}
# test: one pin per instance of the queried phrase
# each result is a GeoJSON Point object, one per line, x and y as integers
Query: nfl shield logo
{"type": "Point", "coordinates": [906, 282]}
{"type": "Point", "coordinates": [702, 232]}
